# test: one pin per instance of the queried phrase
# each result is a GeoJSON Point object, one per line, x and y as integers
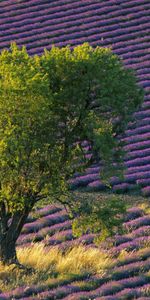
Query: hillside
{"type": "Point", "coordinates": [122, 25]}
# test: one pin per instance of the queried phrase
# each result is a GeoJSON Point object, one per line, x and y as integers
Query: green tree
{"type": "Point", "coordinates": [48, 105]}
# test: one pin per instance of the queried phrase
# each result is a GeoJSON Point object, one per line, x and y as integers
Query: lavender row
{"type": "Point", "coordinates": [139, 123]}
{"type": "Point", "coordinates": [140, 232]}
{"type": "Point", "coordinates": [41, 290]}
{"type": "Point", "coordinates": [114, 287]}
{"type": "Point", "coordinates": [10, 4]}
{"type": "Point", "coordinates": [146, 104]}
{"type": "Point", "coordinates": [133, 213]}
{"type": "Point", "coordinates": [59, 13]}
{"type": "Point", "coordinates": [84, 180]}
{"type": "Point", "coordinates": [135, 224]}
{"type": "Point", "coordinates": [69, 28]}
{"type": "Point", "coordinates": [25, 8]}
{"type": "Point", "coordinates": [140, 129]}
{"type": "Point", "coordinates": [138, 137]}
{"type": "Point", "coordinates": [131, 61]}
{"type": "Point", "coordinates": [142, 114]}
{"type": "Point", "coordinates": [46, 210]}
{"type": "Point", "coordinates": [146, 191]}
{"type": "Point", "coordinates": [44, 232]}
{"type": "Point", "coordinates": [131, 245]}
{"type": "Point", "coordinates": [130, 269]}
{"type": "Point", "coordinates": [46, 42]}
{"type": "Point", "coordinates": [132, 170]}
{"type": "Point", "coordinates": [45, 221]}
{"type": "Point", "coordinates": [136, 154]}
{"type": "Point", "coordinates": [119, 49]}
{"type": "Point", "coordinates": [139, 65]}
{"type": "Point", "coordinates": [54, 6]}
{"type": "Point", "coordinates": [92, 21]}
{"type": "Point", "coordinates": [113, 31]}
{"type": "Point", "coordinates": [135, 256]}
{"type": "Point", "coordinates": [137, 146]}
{"type": "Point", "coordinates": [132, 293]}
{"type": "Point", "coordinates": [125, 11]}
{"type": "Point", "coordinates": [140, 161]}
{"type": "Point", "coordinates": [66, 20]}
{"type": "Point", "coordinates": [47, 17]}
{"type": "Point", "coordinates": [135, 53]}
{"type": "Point", "coordinates": [74, 22]}
{"type": "Point", "coordinates": [123, 187]}
{"type": "Point", "coordinates": [37, 48]}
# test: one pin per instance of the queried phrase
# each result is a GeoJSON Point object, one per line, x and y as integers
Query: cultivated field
{"type": "Point", "coordinates": [65, 267]}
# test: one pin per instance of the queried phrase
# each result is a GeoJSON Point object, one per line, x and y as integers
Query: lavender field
{"type": "Point", "coordinates": [129, 277]}
{"type": "Point", "coordinates": [123, 25]}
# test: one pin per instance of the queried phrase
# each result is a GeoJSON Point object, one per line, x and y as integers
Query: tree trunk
{"type": "Point", "coordinates": [8, 252]}
{"type": "Point", "coordinates": [9, 235]}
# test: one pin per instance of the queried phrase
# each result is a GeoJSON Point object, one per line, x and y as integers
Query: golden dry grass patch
{"type": "Point", "coordinates": [78, 259]}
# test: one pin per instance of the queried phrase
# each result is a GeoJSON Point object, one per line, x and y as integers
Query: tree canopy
{"type": "Point", "coordinates": [48, 105]}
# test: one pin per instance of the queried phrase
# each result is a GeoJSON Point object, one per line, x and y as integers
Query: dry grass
{"type": "Point", "coordinates": [53, 263]}
{"type": "Point", "coordinates": [77, 260]}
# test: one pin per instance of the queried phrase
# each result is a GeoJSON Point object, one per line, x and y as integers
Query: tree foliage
{"type": "Point", "coordinates": [48, 105]}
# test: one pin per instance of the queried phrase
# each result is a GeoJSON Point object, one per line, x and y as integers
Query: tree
{"type": "Point", "coordinates": [48, 105]}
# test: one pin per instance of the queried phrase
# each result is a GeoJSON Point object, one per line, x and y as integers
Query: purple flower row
{"type": "Point", "coordinates": [33, 5]}
{"type": "Point", "coordinates": [139, 175]}
{"type": "Point", "coordinates": [146, 104]}
{"type": "Point", "coordinates": [93, 39]}
{"type": "Point", "coordinates": [135, 53]}
{"type": "Point", "coordinates": [143, 182]}
{"type": "Point", "coordinates": [134, 257]}
{"type": "Point", "coordinates": [133, 213]}
{"type": "Point", "coordinates": [137, 169]}
{"type": "Point", "coordinates": [84, 180]}
{"type": "Point", "coordinates": [69, 27]}
{"type": "Point", "coordinates": [138, 161]}
{"type": "Point", "coordinates": [9, 4]}
{"type": "Point", "coordinates": [123, 187]}
{"type": "Point", "coordinates": [144, 168]}
{"type": "Point", "coordinates": [38, 7]}
{"type": "Point", "coordinates": [119, 49]}
{"type": "Point", "coordinates": [42, 290]}
{"type": "Point", "coordinates": [115, 13]}
{"type": "Point", "coordinates": [138, 137]}
{"type": "Point", "coordinates": [42, 233]}
{"type": "Point", "coordinates": [130, 269]}
{"type": "Point", "coordinates": [146, 191]}
{"type": "Point", "coordinates": [139, 232]}
{"type": "Point", "coordinates": [53, 13]}
{"type": "Point", "coordinates": [138, 130]}
{"type": "Point", "coordinates": [115, 286]}
{"type": "Point", "coordinates": [96, 186]}
{"type": "Point", "coordinates": [46, 43]}
{"type": "Point", "coordinates": [129, 62]}
{"type": "Point", "coordinates": [63, 37]}
{"type": "Point", "coordinates": [134, 224]}
{"type": "Point", "coordinates": [137, 145]}
{"type": "Point", "coordinates": [63, 22]}
{"type": "Point", "coordinates": [47, 210]}
{"type": "Point", "coordinates": [131, 245]}
{"type": "Point", "coordinates": [45, 221]}
{"type": "Point", "coordinates": [139, 65]}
